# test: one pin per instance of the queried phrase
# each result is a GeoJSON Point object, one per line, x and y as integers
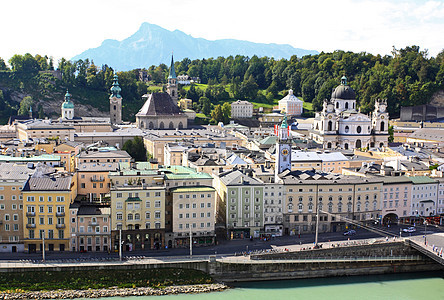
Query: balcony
{"type": "Point", "coordinates": [30, 225]}
{"type": "Point", "coordinates": [93, 223]}
{"type": "Point", "coordinates": [60, 226]}
{"type": "Point", "coordinates": [60, 214]}
{"type": "Point", "coordinates": [95, 179]}
{"type": "Point", "coordinates": [30, 214]}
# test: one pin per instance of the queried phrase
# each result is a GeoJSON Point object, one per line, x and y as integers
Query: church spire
{"type": "Point", "coordinates": [115, 88]}
{"type": "Point", "coordinates": [172, 70]}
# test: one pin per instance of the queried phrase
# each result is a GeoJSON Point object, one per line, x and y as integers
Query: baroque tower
{"type": "Point", "coordinates": [115, 102]}
{"type": "Point", "coordinates": [283, 149]}
{"type": "Point", "coordinates": [67, 107]}
{"type": "Point", "coordinates": [172, 82]}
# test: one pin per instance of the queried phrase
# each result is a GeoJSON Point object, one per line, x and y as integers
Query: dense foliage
{"type": "Point", "coordinates": [407, 77]}
{"type": "Point", "coordinates": [86, 279]}
{"type": "Point", "coordinates": [135, 148]}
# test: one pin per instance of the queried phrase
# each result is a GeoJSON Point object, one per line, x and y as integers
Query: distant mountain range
{"type": "Point", "coordinates": [152, 45]}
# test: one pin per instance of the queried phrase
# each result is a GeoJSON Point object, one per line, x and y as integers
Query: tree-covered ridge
{"type": "Point", "coordinates": [407, 77]}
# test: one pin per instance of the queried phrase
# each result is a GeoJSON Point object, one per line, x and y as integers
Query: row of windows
{"type": "Point", "coordinates": [93, 220]}
{"type": "Point", "coordinates": [194, 215]}
{"type": "Point", "coordinates": [31, 234]}
{"type": "Point", "coordinates": [13, 206]}
{"type": "Point", "coordinates": [15, 217]}
{"type": "Point", "coordinates": [147, 194]}
{"type": "Point", "coordinates": [194, 225]}
{"type": "Point", "coordinates": [194, 196]}
{"type": "Point", "coordinates": [136, 216]}
{"type": "Point", "coordinates": [42, 199]}
{"type": "Point", "coordinates": [13, 197]}
{"type": "Point", "coordinates": [135, 206]}
{"type": "Point", "coordinates": [194, 205]}
{"type": "Point", "coordinates": [60, 221]}
{"type": "Point", "coordinates": [31, 209]}
{"type": "Point", "coordinates": [90, 229]}
{"type": "Point", "coordinates": [14, 226]}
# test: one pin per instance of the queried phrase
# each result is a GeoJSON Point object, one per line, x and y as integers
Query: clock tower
{"type": "Point", "coordinates": [283, 149]}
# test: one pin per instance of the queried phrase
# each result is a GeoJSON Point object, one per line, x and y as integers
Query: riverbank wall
{"type": "Point", "coordinates": [383, 258]}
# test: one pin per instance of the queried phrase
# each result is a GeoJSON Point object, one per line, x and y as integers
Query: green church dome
{"type": "Point", "coordinates": [67, 103]}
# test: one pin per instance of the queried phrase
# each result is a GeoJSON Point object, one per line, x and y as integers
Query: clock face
{"type": "Point", "coordinates": [284, 152]}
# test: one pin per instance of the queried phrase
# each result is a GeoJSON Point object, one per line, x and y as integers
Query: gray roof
{"type": "Point", "coordinates": [10, 171]}
{"type": "Point", "coordinates": [158, 104]}
{"type": "Point", "coordinates": [429, 134]}
{"type": "Point", "coordinates": [48, 184]}
{"type": "Point", "coordinates": [396, 179]}
{"type": "Point", "coordinates": [98, 167]}
{"type": "Point", "coordinates": [104, 154]}
{"type": "Point", "coordinates": [312, 177]}
{"type": "Point", "coordinates": [236, 177]}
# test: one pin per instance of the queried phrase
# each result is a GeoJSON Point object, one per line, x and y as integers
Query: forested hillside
{"type": "Point", "coordinates": [408, 77]}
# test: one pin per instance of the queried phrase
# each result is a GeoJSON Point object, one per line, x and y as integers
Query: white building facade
{"type": "Point", "coordinates": [241, 109]}
{"type": "Point", "coordinates": [291, 105]}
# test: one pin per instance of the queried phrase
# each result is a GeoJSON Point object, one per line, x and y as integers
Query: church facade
{"type": "Point", "coordinates": [341, 126]}
{"type": "Point", "coordinates": [160, 110]}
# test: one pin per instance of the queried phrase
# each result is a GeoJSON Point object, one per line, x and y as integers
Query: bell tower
{"type": "Point", "coordinates": [283, 149]}
{"type": "Point", "coordinates": [115, 102]}
{"type": "Point", "coordinates": [172, 82]}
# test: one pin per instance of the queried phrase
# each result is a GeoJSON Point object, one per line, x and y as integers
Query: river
{"type": "Point", "coordinates": [394, 286]}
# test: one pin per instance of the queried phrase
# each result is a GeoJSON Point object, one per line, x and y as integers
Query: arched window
{"type": "Point", "coordinates": [161, 125]}
{"type": "Point", "coordinates": [142, 125]}
{"type": "Point", "coordinates": [130, 217]}
{"type": "Point", "coordinates": [382, 126]}
{"type": "Point", "coordinates": [115, 107]}
{"type": "Point", "coordinates": [180, 125]}
{"type": "Point", "coordinates": [330, 126]}
{"type": "Point", "coordinates": [358, 144]}
{"type": "Point", "coordinates": [381, 145]}
{"type": "Point", "coordinates": [328, 145]}
{"type": "Point", "coordinates": [346, 105]}
{"type": "Point", "coordinates": [310, 207]}
{"type": "Point", "coordinates": [330, 207]}
{"type": "Point", "coordinates": [358, 129]}
{"type": "Point", "coordinates": [375, 203]}
{"type": "Point", "coordinates": [290, 207]}
{"type": "Point", "coordinates": [358, 206]}
{"type": "Point", "coordinates": [339, 207]}
{"type": "Point", "coordinates": [337, 104]}
{"type": "Point", "coordinates": [171, 125]}
{"type": "Point", "coordinates": [349, 207]}
{"type": "Point", "coordinates": [136, 216]}
{"type": "Point", "coordinates": [151, 125]}
{"type": "Point", "coordinates": [346, 146]}
{"type": "Point", "coordinates": [346, 129]}
{"type": "Point", "coordinates": [300, 207]}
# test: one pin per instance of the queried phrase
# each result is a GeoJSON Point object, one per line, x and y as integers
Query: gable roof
{"type": "Point", "coordinates": [158, 104]}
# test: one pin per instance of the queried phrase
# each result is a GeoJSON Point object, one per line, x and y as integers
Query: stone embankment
{"type": "Point", "coordinates": [115, 292]}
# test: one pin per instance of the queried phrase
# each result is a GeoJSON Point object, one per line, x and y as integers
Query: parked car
{"type": "Point", "coordinates": [410, 229]}
{"type": "Point", "coordinates": [350, 232]}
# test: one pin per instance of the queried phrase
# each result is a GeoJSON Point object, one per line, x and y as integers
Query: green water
{"type": "Point", "coordinates": [397, 286]}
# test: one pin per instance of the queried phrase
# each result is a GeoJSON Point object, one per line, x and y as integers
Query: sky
{"type": "Point", "coordinates": [65, 28]}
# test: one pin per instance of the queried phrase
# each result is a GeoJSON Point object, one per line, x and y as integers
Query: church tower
{"type": "Point", "coordinates": [283, 149]}
{"type": "Point", "coordinates": [172, 82]}
{"type": "Point", "coordinates": [67, 107]}
{"type": "Point", "coordinates": [115, 102]}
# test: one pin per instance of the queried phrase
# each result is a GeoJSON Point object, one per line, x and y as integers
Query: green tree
{"type": "Point", "coordinates": [3, 66]}
{"type": "Point", "coordinates": [217, 114]}
{"type": "Point", "coordinates": [205, 105]}
{"type": "Point", "coordinates": [25, 104]}
{"type": "Point", "coordinates": [136, 149]}
{"type": "Point", "coordinates": [226, 112]}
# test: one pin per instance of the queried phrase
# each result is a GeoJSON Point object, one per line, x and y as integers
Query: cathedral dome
{"type": "Point", "coordinates": [343, 91]}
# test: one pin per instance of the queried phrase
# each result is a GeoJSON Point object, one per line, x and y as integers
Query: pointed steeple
{"type": "Point", "coordinates": [284, 122]}
{"type": "Point", "coordinates": [115, 88]}
{"type": "Point", "coordinates": [172, 71]}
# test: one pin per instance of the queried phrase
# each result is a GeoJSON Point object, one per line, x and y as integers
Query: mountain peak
{"type": "Point", "coordinates": [152, 45]}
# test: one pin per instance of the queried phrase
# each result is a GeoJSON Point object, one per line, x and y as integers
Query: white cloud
{"type": "Point", "coordinates": [66, 28]}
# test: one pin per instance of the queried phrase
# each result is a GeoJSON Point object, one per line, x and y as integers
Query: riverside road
{"type": "Point", "coordinates": [234, 246]}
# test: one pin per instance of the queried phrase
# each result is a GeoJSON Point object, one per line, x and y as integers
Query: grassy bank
{"type": "Point", "coordinates": [96, 279]}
